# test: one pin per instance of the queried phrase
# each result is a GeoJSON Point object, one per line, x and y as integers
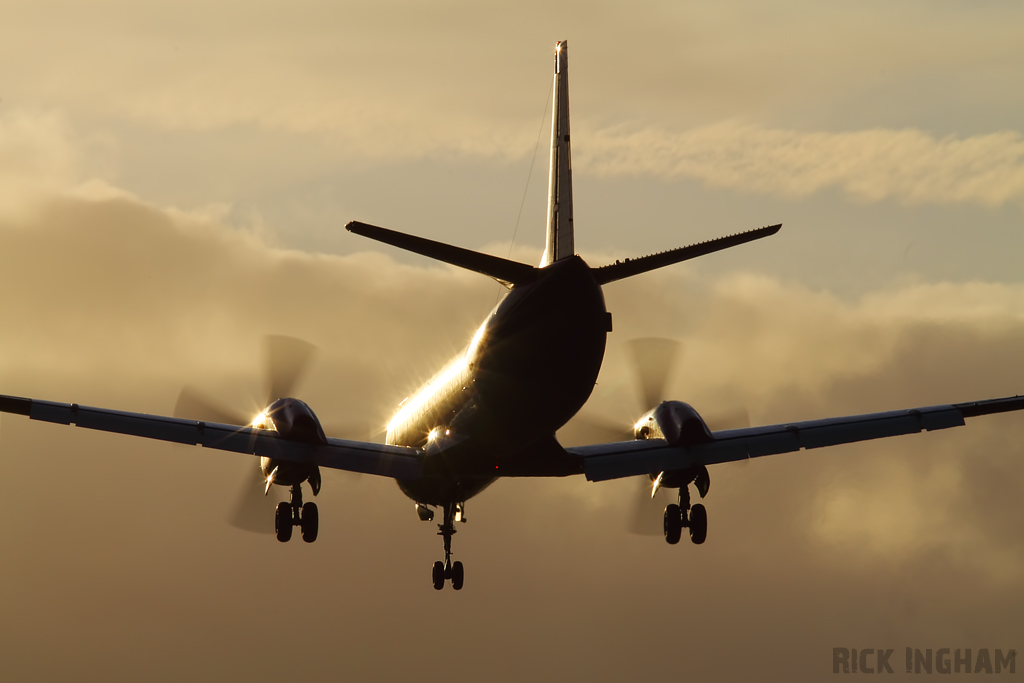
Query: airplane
{"type": "Point", "coordinates": [494, 410]}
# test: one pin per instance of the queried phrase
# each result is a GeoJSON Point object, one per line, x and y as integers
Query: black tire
{"type": "Point", "coordinates": [438, 575]}
{"type": "Point", "coordinates": [458, 575]}
{"type": "Point", "coordinates": [698, 524]}
{"type": "Point", "coordinates": [673, 524]}
{"type": "Point", "coordinates": [283, 522]}
{"type": "Point", "coordinates": [309, 522]}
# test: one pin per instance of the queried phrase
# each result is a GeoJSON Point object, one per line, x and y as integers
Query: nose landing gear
{"type": "Point", "coordinates": [443, 571]}
{"type": "Point", "coordinates": [293, 514]}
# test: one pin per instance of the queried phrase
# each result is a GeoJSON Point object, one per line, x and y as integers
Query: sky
{"type": "Point", "coordinates": [175, 182]}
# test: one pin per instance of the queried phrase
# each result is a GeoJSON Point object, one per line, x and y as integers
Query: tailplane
{"type": "Point", "coordinates": [559, 243]}
{"type": "Point", "coordinates": [630, 267]}
{"type": "Point", "coordinates": [503, 270]}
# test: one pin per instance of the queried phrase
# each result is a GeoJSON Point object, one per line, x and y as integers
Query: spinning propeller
{"type": "Point", "coordinates": [286, 360]}
{"type": "Point", "coordinates": [652, 362]}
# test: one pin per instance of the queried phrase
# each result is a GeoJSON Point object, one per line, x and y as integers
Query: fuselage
{"type": "Point", "coordinates": [494, 409]}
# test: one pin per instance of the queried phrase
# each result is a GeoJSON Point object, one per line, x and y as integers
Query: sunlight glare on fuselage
{"type": "Point", "coordinates": [413, 405]}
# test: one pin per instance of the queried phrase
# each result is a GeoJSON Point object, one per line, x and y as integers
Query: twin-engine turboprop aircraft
{"type": "Point", "coordinates": [494, 410]}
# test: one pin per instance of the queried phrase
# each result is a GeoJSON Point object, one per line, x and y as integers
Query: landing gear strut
{"type": "Point", "coordinates": [292, 514]}
{"type": "Point", "coordinates": [682, 515]}
{"type": "Point", "coordinates": [443, 571]}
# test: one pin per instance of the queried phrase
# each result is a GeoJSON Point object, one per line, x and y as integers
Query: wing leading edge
{"type": "Point", "coordinates": [631, 458]}
{"type": "Point", "coordinates": [354, 456]}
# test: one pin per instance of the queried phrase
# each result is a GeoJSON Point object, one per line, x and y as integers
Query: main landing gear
{"type": "Point", "coordinates": [293, 514]}
{"type": "Point", "coordinates": [676, 518]}
{"type": "Point", "coordinates": [443, 571]}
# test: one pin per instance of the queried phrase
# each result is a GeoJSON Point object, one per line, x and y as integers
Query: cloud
{"type": "Point", "coordinates": [397, 79]}
{"type": "Point", "coordinates": [870, 165]}
{"type": "Point", "coordinates": [109, 286]}
{"type": "Point", "coordinates": [784, 352]}
{"type": "Point", "coordinates": [39, 155]}
{"type": "Point", "coordinates": [109, 300]}
{"type": "Point", "coordinates": [186, 288]}
{"type": "Point", "coordinates": [117, 564]}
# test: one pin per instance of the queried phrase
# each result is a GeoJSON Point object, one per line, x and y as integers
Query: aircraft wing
{"type": "Point", "coordinates": [630, 458]}
{"type": "Point", "coordinates": [398, 462]}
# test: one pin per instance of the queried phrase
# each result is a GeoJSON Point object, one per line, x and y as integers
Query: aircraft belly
{"type": "Point", "coordinates": [442, 490]}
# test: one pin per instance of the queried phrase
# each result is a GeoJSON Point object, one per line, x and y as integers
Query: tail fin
{"type": "Point", "coordinates": [559, 242]}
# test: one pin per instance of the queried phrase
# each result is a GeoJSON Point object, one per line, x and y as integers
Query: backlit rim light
{"type": "Point", "coordinates": [414, 404]}
{"type": "Point", "coordinates": [642, 421]}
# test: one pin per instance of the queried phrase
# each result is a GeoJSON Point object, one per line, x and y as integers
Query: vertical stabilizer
{"type": "Point", "coordinates": [559, 243]}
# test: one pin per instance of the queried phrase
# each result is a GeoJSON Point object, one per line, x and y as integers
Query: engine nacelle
{"type": "Point", "coordinates": [676, 422]}
{"type": "Point", "coordinates": [293, 419]}
{"type": "Point", "coordinates": [680, 425]}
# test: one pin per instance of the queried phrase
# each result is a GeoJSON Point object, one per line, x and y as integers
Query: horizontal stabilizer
{"type": "Point", "coordinates": [631, 267]}
{"type": "Point", "coordinates": [504, 270]}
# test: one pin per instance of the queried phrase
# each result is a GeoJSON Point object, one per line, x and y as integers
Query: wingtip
{"type": "Point", "coordinates": [15, 405]}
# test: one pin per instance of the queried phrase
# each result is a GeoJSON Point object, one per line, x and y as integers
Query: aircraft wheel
{"type": "Point", "coordinates": [458, 576]}
{"type": "Point", "coordinates": [283, 522]}
{"type": "Point", "coordinates": [438, 575]}
{"type": "Point", "coordinates": [673, 524]}
{"type": "Point", "coordinates": [698, 524]}
{"type": "Point", "coordinates": [310, 522]}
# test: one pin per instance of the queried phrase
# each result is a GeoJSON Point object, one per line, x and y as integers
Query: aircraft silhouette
{"type": "Point", "coordinates": [493, 411]}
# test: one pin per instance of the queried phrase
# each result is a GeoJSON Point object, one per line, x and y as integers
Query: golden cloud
{"type": "Point", "coordinates": [908, 165]}
{"type": "Point", "coordinates": [113, 300]}
{"type": "Point", "coordinates": [108, 300]}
